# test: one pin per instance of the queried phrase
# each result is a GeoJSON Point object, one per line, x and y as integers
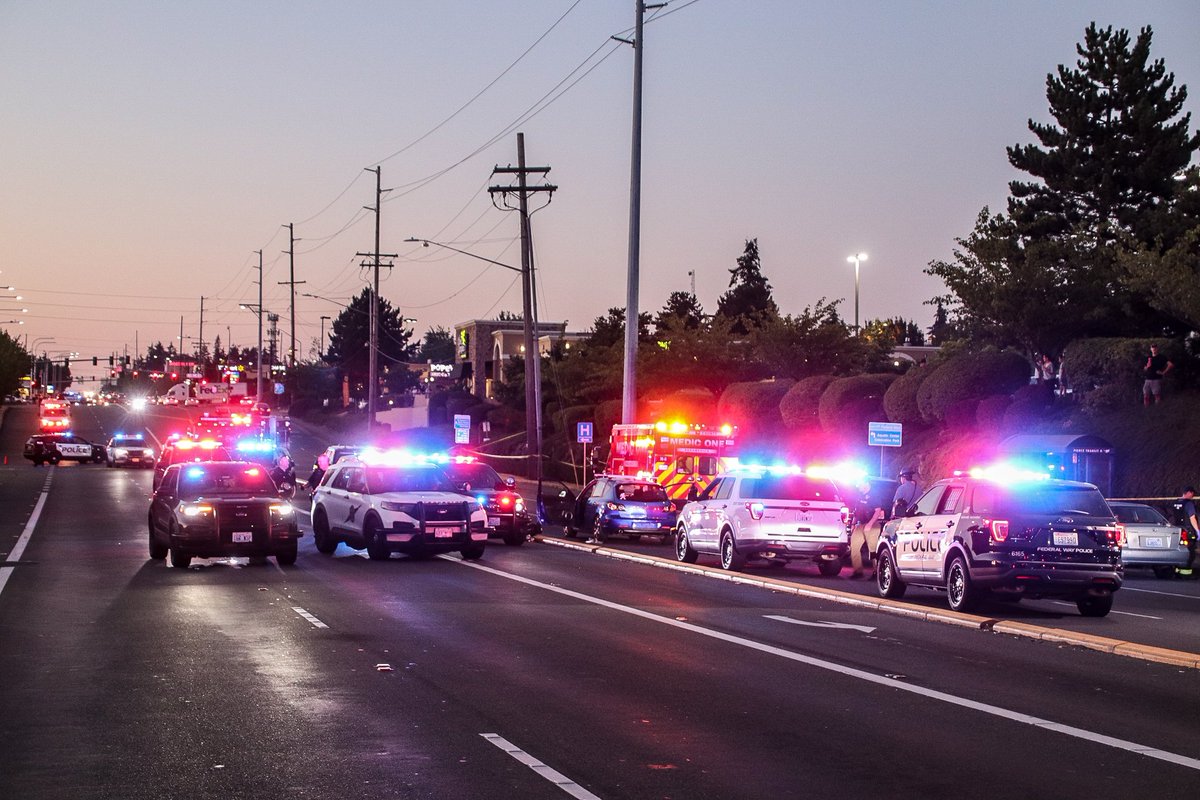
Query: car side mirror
{"type": "Point", "coordinates": [510, 481]}
{"type": "Point", "coordinates": [464, 487]}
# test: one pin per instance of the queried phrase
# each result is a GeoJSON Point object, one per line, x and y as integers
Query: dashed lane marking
{"type": "Point", "coordinates": [554, 776]}
{"type": "Point", "coordinates": [316, 623]}
{"type": "Point", "coordinates": [19, 548]}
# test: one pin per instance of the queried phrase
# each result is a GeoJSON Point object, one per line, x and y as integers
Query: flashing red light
{"type": "Point", "coordinates": [846, 516]}
{"type": "Point", "coordinates": [1184, 538]}
{"type": "Point", "coordinates": [756, 510]}
{"type": "Point", "coordinates": [253, 471]}
{"type": "Point", "coordinates": [505, 500]}
{"type": "Point", "coordinates": [998, 530]}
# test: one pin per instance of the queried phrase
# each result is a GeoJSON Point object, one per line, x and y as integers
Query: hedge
{"type": "Point", "coordinates": [753, 406]}
{"type": "Point", "coordinates": [900, 400]}
{"type": "Point", "coordinates": [800, 406]}
{"type": "Point", "coordinates": [848, 404]}
{"type": "Point", "coordinates": [954, 388]}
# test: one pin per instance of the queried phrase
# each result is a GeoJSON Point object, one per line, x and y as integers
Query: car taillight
{"type": "Point", "coordinates": [669, 507]}
{"type": "Point", "coordinates": [614, 506]}
{"type": "Point", "coordinates": [998, 530]}
{"type": "Point", "coordinates": [1184, 537]}
{"type": "Point", "coordinates": [756, 510]}
{"type": "Point", "coordinates": [846, 516]}
{"type": "Point", "coordinates": [1117, 537]}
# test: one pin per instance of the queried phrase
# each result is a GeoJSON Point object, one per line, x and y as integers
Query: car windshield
{"type": "Point", "coordinates": [480, 476]}
{"type": "Point", "coordinates": [1039, 499]}
{"type": "Point", "coordinates": [128, 441]}
{"type": "Point", "coordinates": [1143, 514]}
{"type": "Point", "coordinates": [224, 479]}
{"type": "Point", "coordinates": [788, 487]}
{"type": "Point", "coordinates": [406, 479]}
{"type": "Point", "coordinates": [640, 492]}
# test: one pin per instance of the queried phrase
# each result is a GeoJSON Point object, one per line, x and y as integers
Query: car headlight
{"type": "Point", "coordinates": [149, 453]}
{"type": "Point", "coordinates": [282, 509]}
{"type": "Point", "coordinates": [403, 508]}
{"type": "Point", "coordinates": [195, 509]}
{"type": "Point", "coordinates": [120, 451]}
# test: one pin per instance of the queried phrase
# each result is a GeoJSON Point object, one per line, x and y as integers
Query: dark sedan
{"type": "Point", "coordinates": [616, 504]}
{"type": "Point", "coordinates": [508, 516]}
{"type": "Point", "coordinates": [220, 508]}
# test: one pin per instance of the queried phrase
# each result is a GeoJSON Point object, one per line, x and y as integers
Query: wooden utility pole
{"type": "Point", "coordinates": [291, 283]}
{"type": "Point", "coordinates": [373, 315]}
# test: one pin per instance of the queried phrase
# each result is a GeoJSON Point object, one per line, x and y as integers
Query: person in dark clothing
{"type": "Point", "coordinates": [1157, 366]}
{"type": "Point", "coordinates": [906, 494]}
{"type": "Point", "coordinates": [868, 517]}
{"type": "Point", "coordinates": [1188, 503]}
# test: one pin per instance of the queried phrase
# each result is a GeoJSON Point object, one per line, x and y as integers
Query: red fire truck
{"type": "Point", "coordinates": [682, 458]}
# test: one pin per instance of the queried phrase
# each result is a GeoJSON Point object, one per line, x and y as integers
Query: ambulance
{"type": "Point", "coordinates": [683, 458]}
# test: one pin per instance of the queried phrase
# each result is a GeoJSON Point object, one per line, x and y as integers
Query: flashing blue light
{"type": "Point", "coordinates": [480, 499]}
{"type": "Point", "coordinates": [255, 446]}
{"type": "Point", "coordinates": [195, 472]}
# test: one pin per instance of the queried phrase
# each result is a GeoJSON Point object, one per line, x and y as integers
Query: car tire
{"type": "Point", "coordinates": [960, 591]}
{"type": "Point", "coordinates": [323, 537]}
{"type": "Point", "coordinates": [472, 553]}
{"type": "Point", "coordinates": [887, 578]}
{"type": "Point", "coordinates": [377, 549]}
{"type": "Point", "coordinates": [1164, 572]}
{"type": "Point", "coordinates": [1095, 605]}
{"type": "Point", "coordinates": [731, 559]}
{"type": "Point", "coordinates": [54, 459]}
{"type": "Point", "coordinates": [683, 548]}
{"type": "Point", "coordinates": [287, 556]}
{"type": "Point", "coordinates": [158, 550]}
{"type": "Point", "coordinates": [829, 567]}
{"type": "Point", "coordinates": [180, 559]}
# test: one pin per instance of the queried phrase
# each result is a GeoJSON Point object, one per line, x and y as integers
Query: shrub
{"type": "Point", "coordinates": [1091, 363]}
{"type": "Point", "coordinates": [961, 381]}
{"type": "Point", "coordinates": [848, 404]}
{"type": "Point", "coordinates": [801, 405]}
{"type": "Point", "coordinates": [900, 400]}
{"type": "Point", "coordinates": [754, 405]}
{"type": "Point", "coordinates": [989, 414]}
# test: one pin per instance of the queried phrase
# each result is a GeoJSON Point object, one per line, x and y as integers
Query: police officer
{"type": "Point", "coordinates": [1192, 526]}
{"type": "Point", "coordinates": [284, 475]}
{"type": "Point", "coordinates": [868, 517]}
{"type": "Point", "coordinates": [906, 493]}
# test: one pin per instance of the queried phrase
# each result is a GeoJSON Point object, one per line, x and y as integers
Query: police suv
{"type": "Point", "coordinates": [395, 504]}
{"type": "Point", "coordinates": [775, 514]}
{"type": "Point", "coordinates": [55, 447]}
{"type": "Point", "coordinates": [1009, 533]}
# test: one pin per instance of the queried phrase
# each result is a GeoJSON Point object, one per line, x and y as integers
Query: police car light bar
{"type": "Point", "coordinates": [840, 473]}
{"type": "Point", "coordinates": [255, 446]}
{"type": "Point", "coordinates": [375, 457]}
{"type": "Point", "coordinates": [1003, 473]}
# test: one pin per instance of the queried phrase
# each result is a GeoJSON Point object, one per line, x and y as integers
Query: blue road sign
{"type": "Point", "coordinates": [583, 431]}
{"type": "Point", "coordinates": [885, 434]}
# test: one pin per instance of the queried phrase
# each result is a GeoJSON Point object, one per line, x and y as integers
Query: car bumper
{"type": "Point", "coordinates": [1167, 557]}
{"type": "Point", "coordinates": [783, 550]}
{"type": "Point", "coordinates": [638, 526]}
{"type": "Point", "coordinates": [203, 541]}
{"type": "Point", "coordinates": [1047, 580]}
{"type": "Point", "coordinates": [403, 538]}
{"type": "Point", "coordinates": [132, 461]}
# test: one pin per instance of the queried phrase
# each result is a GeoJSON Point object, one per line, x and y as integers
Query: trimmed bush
{"type": "Point", "coordinates": [848, 404]}
{"type": "Point", "coordinates": [754, 405]}
{"type": "Point", "coordinates": [506, 419]}
{"type": "Point", "coordinates": [954, 387]}
{"type": "Point", "coordinates": [900, 400]}
{"type": "Point", "coordinates": [801, 405]}
{"type": "Point", "coordinates": [989, 414]}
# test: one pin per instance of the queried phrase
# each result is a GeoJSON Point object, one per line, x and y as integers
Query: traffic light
{"type": "Point", "coordinates": [95, 361]}
{"type": "Point", "coordinates": [110, 361]}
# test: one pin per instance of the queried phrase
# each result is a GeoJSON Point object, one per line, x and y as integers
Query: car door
{"type": "Point", "coordinates": [941, 528]}
{"type": "Point", "coordinates": [909, 532]}
{"type": "Point", "coordinates": [585, 506]}
{"type": "Point", "coordinates": [333, 497]}
{"type": "Point", "coordinates": [163, 503]}
{"type": "Point", "coordinates": [356, 498]}
{"type": "Point", "coordinates": [715, 513]}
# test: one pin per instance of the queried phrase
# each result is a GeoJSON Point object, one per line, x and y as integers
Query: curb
{"type": "Point", "coordinates": [1160, 655]}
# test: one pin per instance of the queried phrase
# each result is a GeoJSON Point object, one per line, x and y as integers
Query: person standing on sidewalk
{"type": "Point", "coordinates": [1188, 513]}
{"type": "Point", "coordinates": [868, 516]}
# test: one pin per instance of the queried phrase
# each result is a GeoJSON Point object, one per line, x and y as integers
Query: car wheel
{"type": "Point", "coordinates": [1095, 605]}
{"type": "Point", "coordinates": [287, 556]}
{"type": "Point", "coordinates": [1164, 572]}
{"type": "Point", "coordinates": [377, 549]}
{"type": "Point", "coordinates": [180, 559]}
{"type": "Point", "coordinates": [109, 464]}
{"type": "Point", "coordinates": [321, 534]}
{"type": "Point", "coordinates": [829, 567]}
{"type": "Point", "coordinates": [683, 548]}
{"type": "Point", "coordinates": [887, 578]}
{"type": "Point", "coordinates": [54, 459]}
{"type": "Point", "coordinates": [158, 550]}
{"type": "Point", "coordinates": [731, 559]}
{"type": "Point", "coordinates": [961, 593]}
{"type": "Point", "coordinates": [472, 553]}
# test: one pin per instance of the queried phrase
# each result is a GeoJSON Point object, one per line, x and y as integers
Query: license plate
{"type": "Point", "coordinates": [135, 459]}
{"type": "Point", "coordinates": [243, 537]}
{"type": "Point", "coordinates": [493, 521]}
{"type": "Point", "coordinates": [1066, 539]}
{"type": "Point", "coordinates": [443, 534]}
{"type": "Point", "coordinates": [1153, 541]}
{"type": "Point", "coordinates": [645, 525]}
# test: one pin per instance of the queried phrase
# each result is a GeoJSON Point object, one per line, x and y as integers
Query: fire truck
{"type": "Point", "coordinates": [682, 458]}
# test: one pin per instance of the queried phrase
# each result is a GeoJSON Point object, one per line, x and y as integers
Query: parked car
{"type": "Point", "coordinates": [178, 451]}
{"type": "Point", "coordinates": [51, 448]}
{"type": "Point", "coordinates": [767, 514]}
{"type": "Point", "coordinates": [508, 517]}
{"type": "Point", "coordinates": [220, 508]}
{"type": "Point", "coordinates": [615, 504]}
{"type": "Point", "coordinates": [1150, 540]}
{"type": "Point", "coordinates": [1009, 534]}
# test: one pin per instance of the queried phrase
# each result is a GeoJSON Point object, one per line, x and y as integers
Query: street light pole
{"type": "Point", "coordinates": [855, 260]}
{"type": "Point", "coordinates": [258, 380]}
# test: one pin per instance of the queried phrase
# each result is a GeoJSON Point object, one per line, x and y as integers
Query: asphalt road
{"type": "Point", "coordinates": [538, 672]}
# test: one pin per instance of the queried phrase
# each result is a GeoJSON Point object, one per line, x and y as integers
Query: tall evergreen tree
{"type": "Point", "coordinates": [349, 337]}
{"type": "Point", "coordinates": [749, 294]}
{"type": "Point", "coordinates": [683, 307]}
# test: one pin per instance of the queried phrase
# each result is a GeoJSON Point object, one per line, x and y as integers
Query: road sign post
{"type": "Point", "coordinates": [462, 428]}
{"type": "Point", "coordinates": [583, 435]}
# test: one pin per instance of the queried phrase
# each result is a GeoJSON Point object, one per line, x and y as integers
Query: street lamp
{"type": "Point", "coordinates": [855, 260]}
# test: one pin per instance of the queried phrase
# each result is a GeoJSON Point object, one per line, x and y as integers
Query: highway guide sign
{"type": "Point", "coordinates": [462, 428]}
{"type": "Point", "coordinates": [884, 434]}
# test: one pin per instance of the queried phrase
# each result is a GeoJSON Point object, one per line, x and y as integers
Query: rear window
{"type": "Point", "coordinates": [788, 487]}
{"type": "Point", "coordinates": [640, 492]}
{"type": "Point", "coordinates": [220, 479]}
{"type": "Point", "coordinates": [1038, 500]}
{"type": "Point", "coordinates": [1144, 514]}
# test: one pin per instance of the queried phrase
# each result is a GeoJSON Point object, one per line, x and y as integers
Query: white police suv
{"type": "Point", "coordinates": [1007, 532]}
{"type": "Point", "coordinates": [389, 502]}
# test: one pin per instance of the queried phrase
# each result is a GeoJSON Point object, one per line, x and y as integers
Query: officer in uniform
{"type": "Point", "coordinates": [906, 493]}
{"type": "Point", "coordinates": [868, 518]}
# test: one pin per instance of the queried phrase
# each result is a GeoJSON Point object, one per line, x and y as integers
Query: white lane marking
{"type": "Point", "coordinates": [554, 776]}
{"type": "Point", "coordinates": [851, 672]}
{"type": "Point", "coordinates": [839, 625]}
{"type": "Point", "coordinates": [316, 623]}
{"type": "Point", "coordinates": [23, 539]}
{"type": "Point", "coordinates": [1122, 613]}
{"type": "Point", "coordinates": [1165, 594]}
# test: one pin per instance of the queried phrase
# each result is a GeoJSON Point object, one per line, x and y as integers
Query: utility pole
{"type": "Point", "coordinates": [629, 392]}
{"type": "Point", "coordinates": [533, 365]}
{"type": "Point", "coordinates": [258, 387]}
{"type": "Point", "coordinates": [373, 315]}
{"type": "Point", "coordinates": [291, 283]}
{"type": "Point", "coordinates": [200, 344]}
{"type": "Point", "coordinates": [324, 317]}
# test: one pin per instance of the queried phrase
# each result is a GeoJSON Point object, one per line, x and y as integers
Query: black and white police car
{"type": "Point", "coordinates": [1007, 532]}
{"type": "Point", "coordinates": [51, 448]}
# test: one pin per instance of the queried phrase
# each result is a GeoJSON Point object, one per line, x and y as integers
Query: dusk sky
{"type": "Point", "coordinates": [148, 148]}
